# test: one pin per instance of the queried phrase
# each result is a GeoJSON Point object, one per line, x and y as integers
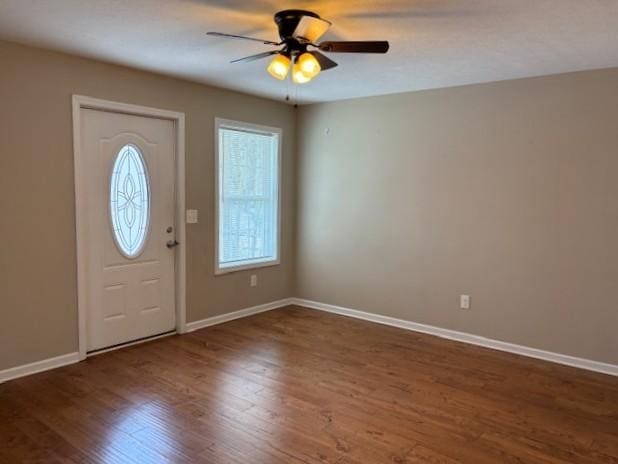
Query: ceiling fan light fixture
{"type": "Point", "coordinates": [279, 66]}
{"type": "Point", "coordinates": [298, 76]}
{"type": "Point", "coordinates": [309, 65]}
{"type": "Point", "coordinates": [299, 29]}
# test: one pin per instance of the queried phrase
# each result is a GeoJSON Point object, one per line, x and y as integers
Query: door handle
{"type": "Point", "coordinates": [172, 243]}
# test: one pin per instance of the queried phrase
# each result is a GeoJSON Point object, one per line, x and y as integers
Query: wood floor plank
{"type": "Point", "coordinates": [300, 386]}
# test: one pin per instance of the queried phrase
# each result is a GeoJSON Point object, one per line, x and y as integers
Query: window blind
{"type": "Point", "coordinates": [248, 197]}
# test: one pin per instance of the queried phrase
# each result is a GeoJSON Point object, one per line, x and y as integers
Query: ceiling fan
{"type": "Point", "coordinates": [299, 30]}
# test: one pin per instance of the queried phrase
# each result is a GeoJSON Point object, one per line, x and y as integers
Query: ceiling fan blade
{"type": "Point", "coordinates": [375, 46]}
{"type": "Point", "coordinates": [259, 56]}
{"type": "Point", "coordinates": [325, 62]}
{"type": "Point", "coordinates": [310, 28]}
{"type": "Point", "coordinates": [232, 36]}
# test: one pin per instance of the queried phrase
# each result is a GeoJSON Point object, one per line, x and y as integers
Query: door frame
{"type": "Point", "coordinates": [81, 102]}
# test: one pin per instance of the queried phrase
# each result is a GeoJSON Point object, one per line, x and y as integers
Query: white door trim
{"type": "Point", "coordinates": [82, 102]}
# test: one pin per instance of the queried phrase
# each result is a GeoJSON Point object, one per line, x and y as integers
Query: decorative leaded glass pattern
{"type": "Point", "coordinates": [129, 201]}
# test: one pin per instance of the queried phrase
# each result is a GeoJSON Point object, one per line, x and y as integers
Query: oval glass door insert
{"type": "Point", "coordinates": [129, 201]}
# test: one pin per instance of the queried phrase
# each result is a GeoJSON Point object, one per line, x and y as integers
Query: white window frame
{"type": "Point", "coordinates": [245, 126]}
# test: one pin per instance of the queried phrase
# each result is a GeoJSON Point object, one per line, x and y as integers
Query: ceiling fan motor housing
{"type": "Point", "coordinates": [287, 20]}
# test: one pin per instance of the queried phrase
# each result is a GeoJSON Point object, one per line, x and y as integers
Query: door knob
{"type": "Point", "coordinates": [172, 243]}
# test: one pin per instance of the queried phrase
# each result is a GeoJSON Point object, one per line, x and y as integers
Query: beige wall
{"type": "Point", "coordinates": [38, 312]}
{"type": "Point", "coordinates": [505, 191]}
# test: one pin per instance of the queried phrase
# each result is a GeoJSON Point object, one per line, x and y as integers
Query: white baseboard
{"type": "Point", "coordinates": [38, 366]}
{"type": "Point", "coordinates": [70, 358]}
{"type": "Point", "coordinates": [196, 325]}
{"type": "Point", "coordinates": [463, 337]}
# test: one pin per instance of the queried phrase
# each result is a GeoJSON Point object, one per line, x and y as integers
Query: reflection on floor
{"type": "Point", "coordinates": [301, 386]}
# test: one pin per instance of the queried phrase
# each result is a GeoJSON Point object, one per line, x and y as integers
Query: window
{"type": "Point", "coordinates": [129, 201]}
{"type": "Point", "coordinates": [248, 159]}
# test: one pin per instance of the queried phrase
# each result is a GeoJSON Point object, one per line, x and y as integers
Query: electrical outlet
{"type": "Point", "coordinates": [464, 301]}
{"type": "Point", "coordinates": [253, 280]}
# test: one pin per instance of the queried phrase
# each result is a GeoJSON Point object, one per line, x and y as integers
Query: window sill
{"type": "Point", "coordinates": [245, 267]}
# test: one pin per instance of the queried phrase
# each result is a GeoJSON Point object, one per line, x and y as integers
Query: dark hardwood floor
{"type": "Point", "coordinates": [302, 386]}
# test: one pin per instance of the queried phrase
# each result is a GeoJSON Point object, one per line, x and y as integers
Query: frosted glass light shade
{"type": "Point", "coordinates": [298, 76]}
{"type": "Point", "coordinates": [279, 67]}
{"type": "Point", "coordinates": [309, 65]}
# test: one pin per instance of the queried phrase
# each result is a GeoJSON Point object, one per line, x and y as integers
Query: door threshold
{"type": "Point", "coordinates": [131, 343]}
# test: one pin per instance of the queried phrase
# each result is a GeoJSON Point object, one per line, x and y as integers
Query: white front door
{"type": "Point", "coordinates": [129, 166]}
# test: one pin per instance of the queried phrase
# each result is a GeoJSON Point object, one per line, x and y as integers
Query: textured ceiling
{"type": "Point", "coordinates": [434, 43]}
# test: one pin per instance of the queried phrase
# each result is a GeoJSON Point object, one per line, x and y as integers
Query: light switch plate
{"type": "Point", "coordinates": [191, 216]}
